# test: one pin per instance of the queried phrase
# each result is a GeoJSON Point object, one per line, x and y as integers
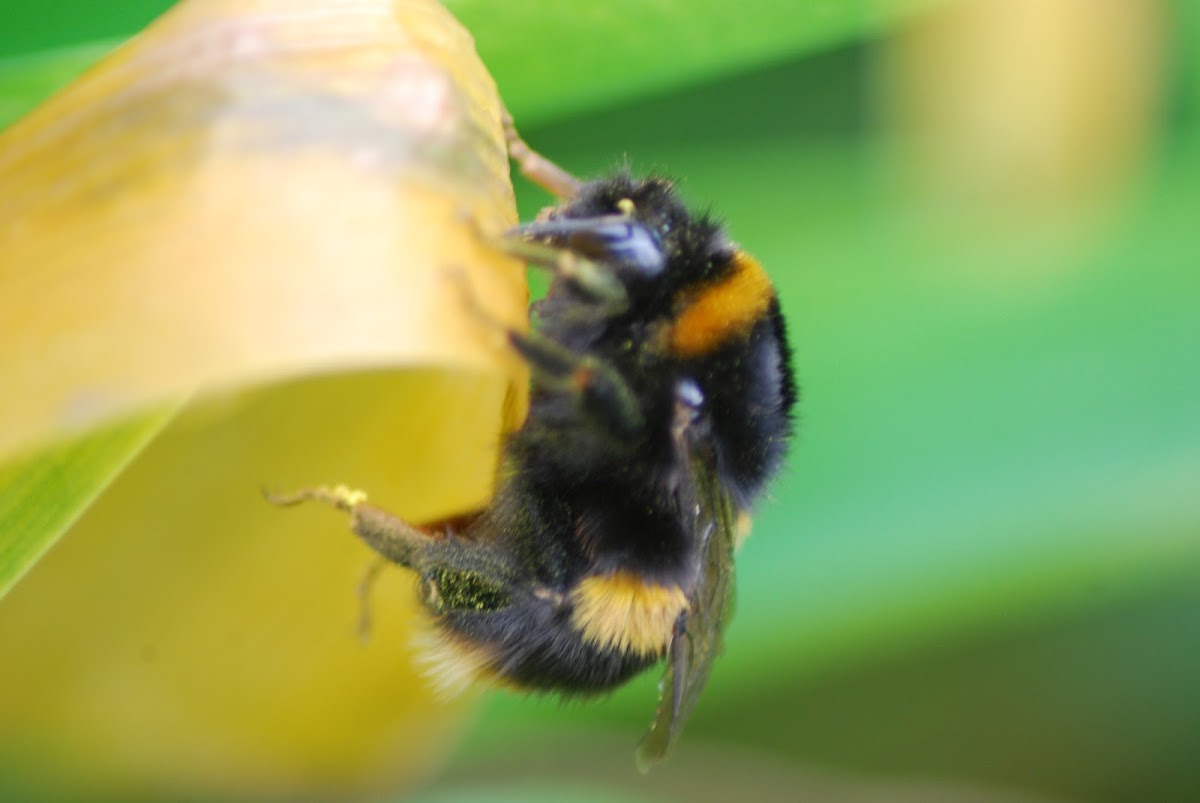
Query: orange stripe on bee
{"type": "Point", "coordinates": [724, 310]}
{"type": "Point", "coordinates": [623, 612]}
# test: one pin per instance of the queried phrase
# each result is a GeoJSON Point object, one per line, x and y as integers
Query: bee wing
{"type": "Point", "coordinates": [697, 639]}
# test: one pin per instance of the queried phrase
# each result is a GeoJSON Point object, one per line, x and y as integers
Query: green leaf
{"type": "Point", "coordinates": [33, 27]}
{"type": "Point", "coordinates": [550, 59]}
{"type": "Point", "coordinates": [574, 56]}
{"type": "Point", "coordinates": [26, 79]}
{"type": "Point", "coordinates": [43, 494]}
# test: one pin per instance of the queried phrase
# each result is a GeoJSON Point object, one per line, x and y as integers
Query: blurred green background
{"type": "Point", "coordinates": [979, 577]}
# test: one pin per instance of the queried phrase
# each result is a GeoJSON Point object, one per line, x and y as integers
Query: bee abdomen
{"type": "Point", "coordinates": [590, 639]}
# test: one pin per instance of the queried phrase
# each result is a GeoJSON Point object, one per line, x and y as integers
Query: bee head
{"type": "Point", "coordinates": [640, 229]}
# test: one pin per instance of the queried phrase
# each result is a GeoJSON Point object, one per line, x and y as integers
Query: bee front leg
{"type": "Point", "coordinates": [537, 168]}
{"type": "Point", "coordinates": [598, 388]}
{"type": "Point", "coordinates": [595, 280]}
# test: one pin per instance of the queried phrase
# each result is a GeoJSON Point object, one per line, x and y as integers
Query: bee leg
{"type": "Point", "coordinates": [393, 538]}
{"type": "Point", "coordinates": [400, 542]}
{"type": "Point", "coordinates": [537, 168]}
{"type": "Point", "coordinates": [341, 497]}
{"type": "Point", "coordinates": [593, 279]}
{"type": "Point", "coordinates": [601, 390]}
{"type": "Point", "coordinates": [363, 591]}
{"type": "Point", "coordinates": [597, 387]}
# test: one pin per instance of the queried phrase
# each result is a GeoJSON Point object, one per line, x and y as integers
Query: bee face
{"type": "Point", "coordinates": [661, 407]}
{"type": "Point", "coordinates": [653, 242]}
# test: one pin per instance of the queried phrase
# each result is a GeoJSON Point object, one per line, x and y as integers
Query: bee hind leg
{"type": "Point", "coordinates": [342, 497]}
{"type": "Point", "coordinates": [363, 591]}
{"type": "Point", "coordinates": [392, 537]}
{"type": "Point", "coordinates": [400, 542]}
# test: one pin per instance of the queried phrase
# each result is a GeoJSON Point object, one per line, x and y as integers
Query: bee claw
{"type": "Point", "coordinates": [341, 497]}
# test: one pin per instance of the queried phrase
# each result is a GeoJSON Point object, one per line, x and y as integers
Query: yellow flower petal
{"type": "Point", "coordinates": [259, 206]}
{"type": "Point", "coordinates": [247, 191]}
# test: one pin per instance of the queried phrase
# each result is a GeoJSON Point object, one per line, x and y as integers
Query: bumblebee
{"type": "Point", "coordinates": [661, 408]}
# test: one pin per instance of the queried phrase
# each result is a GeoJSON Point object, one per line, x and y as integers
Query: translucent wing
{"type": "Point", "coordinates": [697, 639]}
